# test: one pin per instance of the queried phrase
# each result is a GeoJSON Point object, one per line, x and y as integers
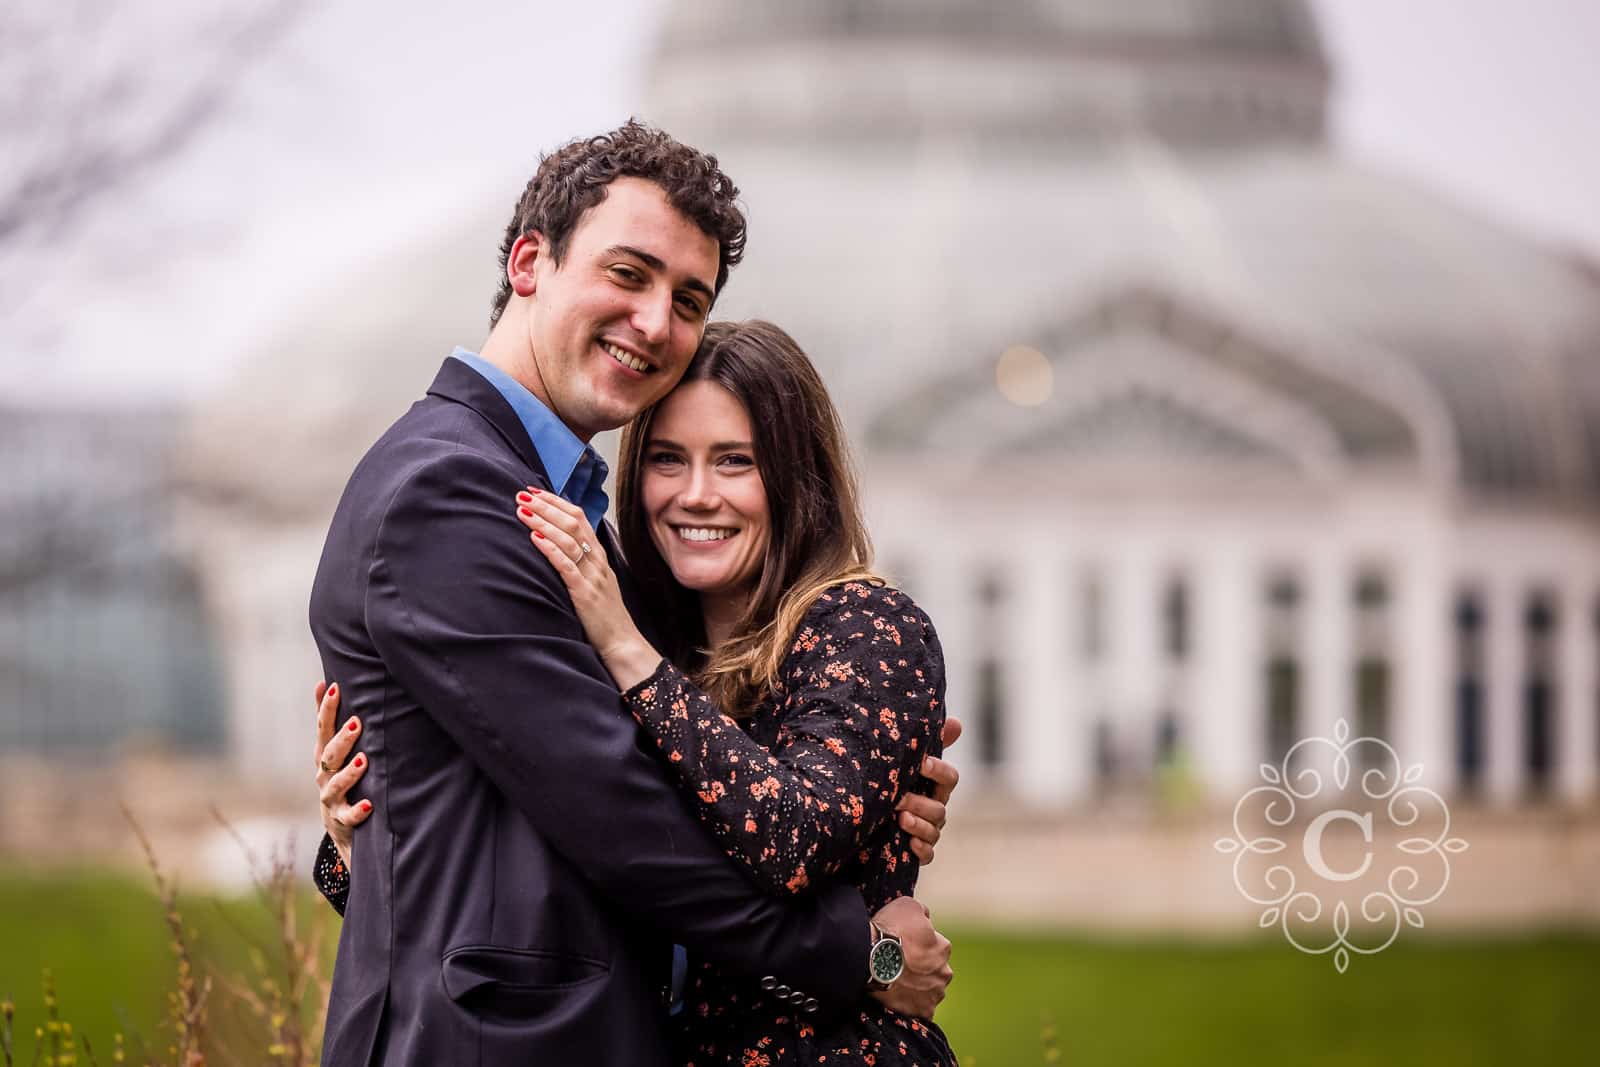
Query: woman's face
{"type": "Point", "coordinates": [702, 493]}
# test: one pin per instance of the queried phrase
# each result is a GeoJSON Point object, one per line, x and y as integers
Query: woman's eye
{"type": "Point", "coordinates": [662, 459]}
{"type": "Point", "coordinates": [734, 459]}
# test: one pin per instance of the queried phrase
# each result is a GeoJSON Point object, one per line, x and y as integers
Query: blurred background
{"type": "Point", "coordinates": [1223, 373]}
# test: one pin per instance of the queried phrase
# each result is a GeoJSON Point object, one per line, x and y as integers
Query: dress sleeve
{"type": "Point", "coordinates": [331, 875]}
{"type": "Point", "coordinates": [861, 702]}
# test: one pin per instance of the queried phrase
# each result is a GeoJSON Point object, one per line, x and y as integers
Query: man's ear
{"type": "Point", "coordinates": [521, 263]}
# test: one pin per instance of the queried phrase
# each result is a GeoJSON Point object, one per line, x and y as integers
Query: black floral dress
{"type": "Point", "coordinates": [803, 792]}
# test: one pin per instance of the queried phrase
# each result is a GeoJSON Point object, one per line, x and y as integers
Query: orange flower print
{"type": "Point", "coordinates": [834, 745]}
{"type": "Point", "coordinates": [798, 881]}
{"type": "Point", "coordinates": [752, 1058]}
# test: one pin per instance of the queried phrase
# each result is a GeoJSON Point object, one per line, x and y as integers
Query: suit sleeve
{"type": "Point", "coordinates": [479, 628]}
{"type": "Point", "coordinates": [863, 702]}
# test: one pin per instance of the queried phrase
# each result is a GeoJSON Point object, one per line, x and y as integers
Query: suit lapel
{"type": "Point", "coordinates": [459, 383]}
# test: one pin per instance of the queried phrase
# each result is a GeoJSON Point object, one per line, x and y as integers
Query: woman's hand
{"type": "Point", "coordinates": [562, 532]}
{"type": "Point", "coordinates": [333, 779]}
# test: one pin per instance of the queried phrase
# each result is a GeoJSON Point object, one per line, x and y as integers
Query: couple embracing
{"type": "Point", "coordinates": [587, 811]}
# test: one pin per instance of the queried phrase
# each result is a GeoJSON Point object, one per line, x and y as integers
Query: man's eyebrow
{"type": "Point", "coordinates": [656, 263]}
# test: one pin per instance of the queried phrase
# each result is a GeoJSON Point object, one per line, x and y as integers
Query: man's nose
{"type": "Point", "coordinates": [652, 316]}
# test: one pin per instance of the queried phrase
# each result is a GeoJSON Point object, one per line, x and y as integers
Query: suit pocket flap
{"type": "Point", "coordinates": [473, 967]}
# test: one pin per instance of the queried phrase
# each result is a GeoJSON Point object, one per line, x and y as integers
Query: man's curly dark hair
{"type": "Point", "coordinates": [573, 179]}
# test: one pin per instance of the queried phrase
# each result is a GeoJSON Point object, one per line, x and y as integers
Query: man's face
{"type": "Point", "coordinates": [613, 327]}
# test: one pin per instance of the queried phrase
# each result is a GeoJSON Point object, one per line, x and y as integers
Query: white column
{"type": "Point", "coordinates": [1421, 725]}
{"type": "Point", "coordinates": [1328, 654]}
{"type": "Point", "coordinates": [1504, 652]}
{"type": "Point", "coordinates": [1575, 700]}
{"type": "Point", "coordinates": [1048, 746]}
{"type": "Point", "coordinates": [1228, 712]}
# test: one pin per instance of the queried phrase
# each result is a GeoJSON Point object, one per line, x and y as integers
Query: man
{"type": "Point", "coordinates": [528, 866]}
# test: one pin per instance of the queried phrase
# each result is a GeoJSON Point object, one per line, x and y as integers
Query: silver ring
{"type": "Point", "coordinates": [584, 545]}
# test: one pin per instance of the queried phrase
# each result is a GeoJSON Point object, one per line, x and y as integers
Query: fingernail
{"type": "Point", "coordinates": [366, 805]}
{"type": "Point", "coordinates": [525, 512]}
{"type": "Point", "coordinates": [524, 497]}
{"type": "Point", "coordinates": [534, 491]}
{"type": "Point", "coordinates": [361, 761]}
{"type": "Point", "coordinates": [539, 534]}
{"type": "Point", "coordinates": [352, 726]}
{"type": "Point", "coordinates": [333, 690]}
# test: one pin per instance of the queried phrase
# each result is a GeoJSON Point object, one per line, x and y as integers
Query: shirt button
{"type": "Point", "coordinates": [769, 983]}
{"type": "Point", "coordinates": [797, 997]}
{"type": "Point", "coordinates": [810, 1006]}
{"type": "Point", "coordinates": [782, 992]}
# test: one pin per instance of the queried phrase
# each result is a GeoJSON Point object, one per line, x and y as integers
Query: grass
{"type": "Point", "coordinates": [104, 938]}
{"type": "Point", "coordinates": [1460, 1001]}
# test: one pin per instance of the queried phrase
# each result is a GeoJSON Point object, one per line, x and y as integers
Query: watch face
{"type": "Point", "coordinates": [888, 960]}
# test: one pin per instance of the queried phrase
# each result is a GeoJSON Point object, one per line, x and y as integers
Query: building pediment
{"type": "Point", "coordinates": [1144, 374]}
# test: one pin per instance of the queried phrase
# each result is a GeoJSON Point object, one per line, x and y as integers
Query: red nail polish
{"type": "Point", "coordinates": [351, 726]}
{"type": "Point", "coordinates": [534, 491]}
{"type": "Point", "coordinates": [361, 761]}
{"type": "Point", "coordinates": [539, 534]}
{"type": "Point", "coordinates": [333, 690]}
{"type": "Point", "coordinates": [524, 497]}
{"type": "Point", "coordinates": [366, 805]}
{"type": "Point", "coordinates": [525, 511]}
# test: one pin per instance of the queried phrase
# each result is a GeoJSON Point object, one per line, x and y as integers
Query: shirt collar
{"type": "Point", "coordinates": [576, 471]}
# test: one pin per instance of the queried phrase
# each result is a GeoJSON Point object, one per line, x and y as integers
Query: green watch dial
{"type": "Point", "coordinates": [887, 961]}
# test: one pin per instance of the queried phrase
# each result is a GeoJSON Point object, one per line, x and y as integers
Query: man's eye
{"type": "Point", "coordinates": [691, 307]}
{"type": "Point", "coordinates": [628, 274]}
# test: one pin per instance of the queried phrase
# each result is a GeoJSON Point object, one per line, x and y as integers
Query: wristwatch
{"type": "Point", "coordinates": [886, 961]}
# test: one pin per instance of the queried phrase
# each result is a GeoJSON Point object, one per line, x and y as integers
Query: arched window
{"type": "Point", "coordinates": [1374, 681]}
{"type": "Point", "coordinates": [991, 709]}
{"type": "Point", "coordinates": [1283, 681]}
{"type": "Point", "coordinates": [1469, 642]}
{"type": "Point", "coordinates": [1539, 691]}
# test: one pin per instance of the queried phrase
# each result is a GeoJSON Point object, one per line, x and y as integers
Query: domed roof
{"type": "Point", "coordinates": [1208, 71]}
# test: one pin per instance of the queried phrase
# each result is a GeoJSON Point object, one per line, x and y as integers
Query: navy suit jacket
{"type": "Point", "coordinates": [527, 864]}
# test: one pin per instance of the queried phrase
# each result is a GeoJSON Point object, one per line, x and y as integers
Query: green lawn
{"type": "Point", "coordinates": [1522, 1001]}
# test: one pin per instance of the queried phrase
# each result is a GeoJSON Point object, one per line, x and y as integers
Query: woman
{"type": "Point", "coordinates": [799, 694]}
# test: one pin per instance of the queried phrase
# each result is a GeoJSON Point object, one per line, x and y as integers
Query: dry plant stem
{"type": "Point", "coordinates": [281, 998]}
{"type": "Point", "coordinates": [189, 1001]}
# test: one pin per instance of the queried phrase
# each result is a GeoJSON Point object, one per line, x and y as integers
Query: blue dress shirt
{"type": "Point", "coordinates": [577, 473]}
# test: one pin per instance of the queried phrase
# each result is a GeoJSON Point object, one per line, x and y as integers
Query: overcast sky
{"type": "Point", "coordinates": [360, 129]}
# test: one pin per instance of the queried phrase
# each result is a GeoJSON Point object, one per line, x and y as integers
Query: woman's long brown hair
{"type": "Point", "coordinates": [817, 536]}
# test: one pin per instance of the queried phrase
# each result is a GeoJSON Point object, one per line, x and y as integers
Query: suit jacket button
{"type": "Point", "coordinates": [782, 992]}
{"type": "Point", "coordinates": [810, 1006]}
{"type": "Point", "coordinates": [769, 983]}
